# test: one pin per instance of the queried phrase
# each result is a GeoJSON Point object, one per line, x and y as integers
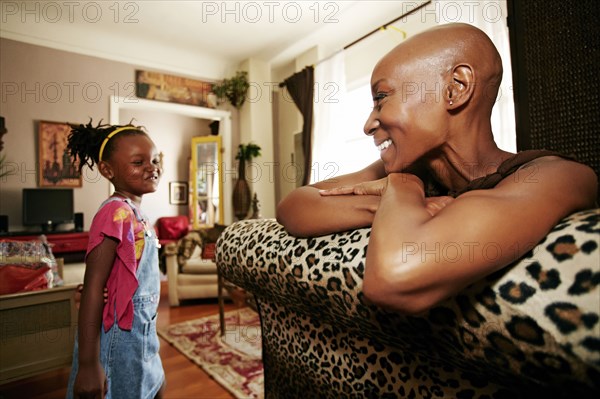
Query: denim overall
{"type": "Point", "coordinates": [130, 358]}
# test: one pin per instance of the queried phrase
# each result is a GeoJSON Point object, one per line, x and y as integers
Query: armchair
{"type": "Point", "coordinates": [530, 330]}
{"type": "Point", "coordinates": [191, 269]}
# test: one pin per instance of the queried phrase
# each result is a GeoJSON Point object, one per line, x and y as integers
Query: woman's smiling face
{"type": "Point", "coordinates": [408, 111]}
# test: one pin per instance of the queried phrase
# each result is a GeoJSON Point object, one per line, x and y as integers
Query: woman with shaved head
{"type": "Point", "coordinates": [441, 182]}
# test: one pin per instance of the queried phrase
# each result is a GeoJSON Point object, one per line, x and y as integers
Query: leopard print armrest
{"type": "Point", "coordinates": [532, 327]}
{"type": "Point", "coordinates": [326, 272]}
{"type": "Point", "coordinates": [552, 293]}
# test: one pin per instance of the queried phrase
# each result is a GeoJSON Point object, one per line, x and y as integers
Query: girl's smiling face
{"type": "Point", "coordinates": [135, 165]}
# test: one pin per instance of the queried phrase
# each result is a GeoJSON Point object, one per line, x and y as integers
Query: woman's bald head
{"type": "Point", "coordinates": [436, 52]}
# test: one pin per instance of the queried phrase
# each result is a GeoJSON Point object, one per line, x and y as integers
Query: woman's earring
{"type": "Point", "coordinates": [451, 102]}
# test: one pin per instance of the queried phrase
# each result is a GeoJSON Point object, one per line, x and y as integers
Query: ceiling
{"type": "Point", "coordinates": [198, 38]}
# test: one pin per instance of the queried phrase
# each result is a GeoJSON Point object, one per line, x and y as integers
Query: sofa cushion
{"type": "Point", "coordinates": [208, 250]}
{"type": "Point", "coordinates": [187, 246]}
{"type": "Point", "coordinates": [202, 240]}
{"type": "Point", "coordinates": [210, 235]}
{"type": "Point", "coordinates": [199, 266]}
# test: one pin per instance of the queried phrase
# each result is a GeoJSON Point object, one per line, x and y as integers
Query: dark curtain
{"type": "Point", "coordinates": [301, 87]}
{"type": "Point", "coordinates": [555, 61]}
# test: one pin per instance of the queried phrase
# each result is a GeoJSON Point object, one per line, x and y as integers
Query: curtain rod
{"type": "Point", "coordinates": [386, 25]}
{"type": "Point", "coordinates": [382, 27]}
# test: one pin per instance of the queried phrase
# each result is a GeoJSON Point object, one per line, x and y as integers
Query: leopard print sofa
{"type": "Point", "coordinates": [531, 330]}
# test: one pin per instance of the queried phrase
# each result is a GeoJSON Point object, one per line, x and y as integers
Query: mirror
{"type": "Point", "coordinates": [206, 175]}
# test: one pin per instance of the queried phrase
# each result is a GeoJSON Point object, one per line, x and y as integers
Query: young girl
{"type": "Point", "coordinates": [116, 350]}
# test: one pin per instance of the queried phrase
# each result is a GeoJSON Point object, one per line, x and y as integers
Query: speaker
{"type": "Point", "coordinates": [78, 221]}
{"type": "Point", "coordinates": [214, 128]}
{"type": "Point", "coordinates": [3, 224]}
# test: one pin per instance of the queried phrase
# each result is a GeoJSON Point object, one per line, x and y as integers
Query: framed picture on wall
{"type": "Point", "coordinates": [178, 193]}
{"type": "Point", "coordinates": [55, 165]}
{"type": "Point", "coordinates": [175, 89]}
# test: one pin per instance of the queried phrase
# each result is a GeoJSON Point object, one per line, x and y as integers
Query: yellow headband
{"type": "Point", "coordinates": [119, 130]}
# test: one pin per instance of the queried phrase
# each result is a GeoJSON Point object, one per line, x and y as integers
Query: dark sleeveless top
{"type": "Point", "coordinates": [505, 169]}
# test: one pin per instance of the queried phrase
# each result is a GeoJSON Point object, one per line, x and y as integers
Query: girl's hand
{"type": "Point", "coordinates": [375, 187]}
{"type": "Point", "coordinates": [90, 382]}
{"type": "Point", "coordinates": [79, 290]}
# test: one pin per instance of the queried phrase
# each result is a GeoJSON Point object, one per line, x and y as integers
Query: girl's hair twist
{"type": "Point", "coordinates": [85, 141]}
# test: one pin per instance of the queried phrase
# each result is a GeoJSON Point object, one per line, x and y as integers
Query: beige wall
{"type": "Point", "coordinates": [256, 126]}
{"type": "Point", "coordinates": [39, 83]}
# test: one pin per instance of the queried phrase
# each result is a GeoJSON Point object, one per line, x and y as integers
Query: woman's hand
{"type": "Point", "coordinates": [375, 187]}
{"type": "Point", "coordinates": [306, 213]}
{"type": "Point", "coordinates": [433, 205]}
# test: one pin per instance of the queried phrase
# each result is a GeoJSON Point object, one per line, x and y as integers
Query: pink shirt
{"type": "Point", "coordinates": [117, 220]}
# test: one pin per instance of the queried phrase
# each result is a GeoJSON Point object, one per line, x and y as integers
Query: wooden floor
{"type": "Point", "coordinates": [184, 378]}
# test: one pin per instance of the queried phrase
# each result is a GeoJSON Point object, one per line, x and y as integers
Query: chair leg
{"type": "Point", "coordinates": [221, 304]}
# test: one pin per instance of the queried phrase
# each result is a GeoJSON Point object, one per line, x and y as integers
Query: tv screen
{"type": "Point", "coordinates": [47, 207]}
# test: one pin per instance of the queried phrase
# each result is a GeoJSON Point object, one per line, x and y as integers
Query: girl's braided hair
{"type": "Point", "coordinates": [84, 142]}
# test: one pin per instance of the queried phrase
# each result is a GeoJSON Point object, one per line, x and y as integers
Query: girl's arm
{"type": "Point", "coordinates": [91, 380]}
{"type": "Point", "coordinates": [304, 212]}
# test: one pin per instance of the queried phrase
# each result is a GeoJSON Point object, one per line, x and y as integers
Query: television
{"type": "Point", "coordinates": [47, 207]}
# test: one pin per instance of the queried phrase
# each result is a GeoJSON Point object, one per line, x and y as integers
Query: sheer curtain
{"type": "Point", "coordinates": [489, 16]}
{"type": "Point", "coordinates": [328, 117]}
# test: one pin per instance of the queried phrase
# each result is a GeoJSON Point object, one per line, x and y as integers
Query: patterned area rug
{"type": "Point", "coordinates": [233, 360]}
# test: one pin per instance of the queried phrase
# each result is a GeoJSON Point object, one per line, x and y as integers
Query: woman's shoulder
{"type": "Point", "coordinates": [560, 177]}
{"type": "Point", "coordinates": [561, 165]}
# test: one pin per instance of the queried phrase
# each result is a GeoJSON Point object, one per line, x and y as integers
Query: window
{"type": "Point", "coordinates": [357, 150]}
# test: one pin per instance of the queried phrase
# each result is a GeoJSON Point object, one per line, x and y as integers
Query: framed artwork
{"type": "Point", "coordinates": [55, 165]}
{"type": "Point", "coordinates": [175, 89]}
{"type": "Point", "coordinates": [178, 193]}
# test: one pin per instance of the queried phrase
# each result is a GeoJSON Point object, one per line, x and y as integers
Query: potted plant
{"type": "Point", "coordinates": [234, 89]}
{"type": "Point", "coordinates": [241, 191]}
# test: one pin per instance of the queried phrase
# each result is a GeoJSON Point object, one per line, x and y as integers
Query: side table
{"type": "Point", "coordinates": [37, 331]}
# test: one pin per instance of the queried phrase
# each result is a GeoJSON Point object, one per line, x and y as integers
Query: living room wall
{"type": "Point", "coordinates": [43, 84]}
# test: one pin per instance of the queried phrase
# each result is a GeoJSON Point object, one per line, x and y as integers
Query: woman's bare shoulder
{"type": "Point", "coordinates": [557, 179]}
{"type": "Point", "coordinates": [563, 169]}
